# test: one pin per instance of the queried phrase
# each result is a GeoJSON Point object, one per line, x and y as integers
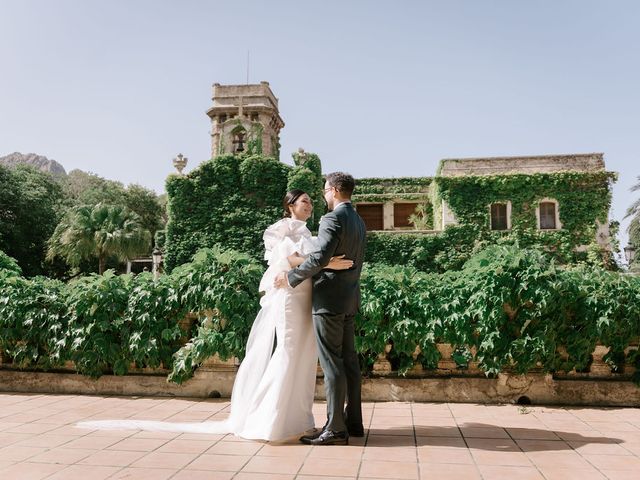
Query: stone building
{"type": "Point", "coordinates": [245, 119]}
{"type": "Point", "coordinates": [547, 211]}
{"type": "Point", "coordinates": [389, 204]}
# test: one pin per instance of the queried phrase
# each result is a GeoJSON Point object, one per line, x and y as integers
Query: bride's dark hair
{"type": "Point", "coordinates": [290, 198]}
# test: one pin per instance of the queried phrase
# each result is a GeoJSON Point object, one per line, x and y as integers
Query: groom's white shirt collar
{"type": "Point", "coordinates": [341, 203]}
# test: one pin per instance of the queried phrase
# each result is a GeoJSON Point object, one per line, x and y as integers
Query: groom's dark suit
{"type": "Point", "coordinates": [336, 299]}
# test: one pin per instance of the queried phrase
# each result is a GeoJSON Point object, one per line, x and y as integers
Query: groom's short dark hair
{"type": "Point", "coordinates": [343, 182]}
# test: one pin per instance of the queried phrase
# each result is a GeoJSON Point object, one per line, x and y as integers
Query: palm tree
{"type": "Point", "coordinates": [98, 231]}
{"type": "Point", "coordinates": [634, 211]}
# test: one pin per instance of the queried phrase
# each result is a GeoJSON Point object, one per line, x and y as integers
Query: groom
{"type": "Point", "coordinates": [336, 299]}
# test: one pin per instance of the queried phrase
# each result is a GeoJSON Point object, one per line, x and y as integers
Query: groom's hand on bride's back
{"type": "Point", "coordinates": [281, 280]}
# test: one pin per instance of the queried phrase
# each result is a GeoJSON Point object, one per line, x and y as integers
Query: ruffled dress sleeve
{"type": "Point", "coordinates": [282, 239]}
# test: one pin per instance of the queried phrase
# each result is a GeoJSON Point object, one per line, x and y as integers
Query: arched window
{"type": "Point", "coordinates": [239, 139]}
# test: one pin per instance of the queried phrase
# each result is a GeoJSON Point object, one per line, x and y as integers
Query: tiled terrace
{"type": "Point", "coordinates": [38, 440]}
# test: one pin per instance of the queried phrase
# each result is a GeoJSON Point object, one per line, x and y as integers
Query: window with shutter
{"type": "Point", "coordinates": [499, 216]}
{"type": "Point", "coordinates": [372, 215]}
{"type": "Point", "coordinates": [547, 215]}
{"type": "Point", "coordinates": [401, 213]}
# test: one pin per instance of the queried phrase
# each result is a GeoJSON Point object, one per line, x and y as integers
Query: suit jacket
{"type": "Point", "coordinates": [341, 232]}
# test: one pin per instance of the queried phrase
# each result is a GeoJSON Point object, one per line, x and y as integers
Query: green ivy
{"type": "Point", "coordinates": [583, 198]}
{"type": "Point", "coordinates": [377, 185]}
{"type": "Point", "coordinates": [34, 323]}
{"type": "Point", "coordinates": [222, 287]}
{"type": "Point", "coordinates": [435, 252]}
{"type": "Point", "coordinates": [507, 307]}
{"type": "Point", "coordinates": [254, 139]}
{"type": "Point", "coordinates": [230, 200]}
{"type": "Point", "coordinates": [515, 307]}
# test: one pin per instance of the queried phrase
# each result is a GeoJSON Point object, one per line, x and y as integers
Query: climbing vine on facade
{"type": "Point", "coordinates": [230, 200]}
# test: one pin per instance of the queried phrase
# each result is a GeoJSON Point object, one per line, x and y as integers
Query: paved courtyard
{"type": "Point", "coordinates": [409, 441]}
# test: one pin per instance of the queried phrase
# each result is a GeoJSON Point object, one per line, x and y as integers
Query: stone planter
{"type": "Point", "coordinates": [629, 369]}
{"type": "Point", "coordinates": [446, 364]}
{"type": "Point", "coordinates": [185, 325]}
{"type": "Point", "coordinates": [216, 364]}
{"type": "Point", "coordinates": [417, 368]}
{"type": "Point", "coordinates": [473, 364]}
{"type": "Point", "coordinates": [598, 366]}
{"type": "Point", "coordinates": [382, 365]}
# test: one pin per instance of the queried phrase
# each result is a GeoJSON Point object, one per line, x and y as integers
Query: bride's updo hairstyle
{"type": "Point", "coordinates": [290, 198]}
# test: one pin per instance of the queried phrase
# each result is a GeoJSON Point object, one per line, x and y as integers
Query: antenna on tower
{"type": "Point", "coordinates": [247, 67]}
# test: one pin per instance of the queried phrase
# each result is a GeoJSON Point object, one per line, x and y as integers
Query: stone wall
{"type": "Point", "coordinates": [447, 383]}
{"type": "Point", "coordinates": [587, 162]}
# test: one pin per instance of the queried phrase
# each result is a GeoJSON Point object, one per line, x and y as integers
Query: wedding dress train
{"type": "Point", "coordinates": [274, 389]}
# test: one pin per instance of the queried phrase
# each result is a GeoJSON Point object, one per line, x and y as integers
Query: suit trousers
{"type": "Point", "coordinates": [339, 361]}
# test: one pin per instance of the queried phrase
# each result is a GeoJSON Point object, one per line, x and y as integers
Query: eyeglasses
{"type": "Point", "coordinates": [325, 190]}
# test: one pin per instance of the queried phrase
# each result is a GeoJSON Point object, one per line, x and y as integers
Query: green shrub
{"type": "Point", "coordinates": [97, 325]}
{"type": "Point", "coordinates": [506, 308]}
{"type": "Point", "coordinates": [151, 329]}
{"type": "Point", "coordinates": [8, 265]}
{"type": "Point", "coordinates": [222, 288]}
{"type": "Point", "coordinates": [34, 325]}
{"type": "Point", "coordinates": [515, 307]}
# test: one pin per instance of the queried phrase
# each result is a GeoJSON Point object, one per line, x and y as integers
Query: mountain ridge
{"type": "Point", "coordinates": [39, 162]}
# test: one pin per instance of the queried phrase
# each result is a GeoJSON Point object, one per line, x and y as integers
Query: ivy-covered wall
{"type": "Point", "coordinates": [230, 200]}
{"type": "Point", "coordinates": [384, 189]}
{"type": "Point", "coordinates": [584, 198]}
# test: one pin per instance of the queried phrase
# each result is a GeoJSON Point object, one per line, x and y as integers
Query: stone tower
{"type": "Point", "coordinates": [245, 119]}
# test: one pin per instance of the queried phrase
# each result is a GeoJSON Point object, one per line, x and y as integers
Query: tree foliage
{"type": "Point", "coordinates": [100, 231]}
{"type": "Point", "coordinates": [634, 226]}
{"type": "Point", "coordinates": [85, 188]}
{"type": "Point", "coordinates": [30, 207]}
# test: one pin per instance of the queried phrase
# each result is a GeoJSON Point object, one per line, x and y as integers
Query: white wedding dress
{"type": "Point", "coordinates": [273, 391]}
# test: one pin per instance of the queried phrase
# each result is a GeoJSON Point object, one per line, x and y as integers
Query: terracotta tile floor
{"type": "Point", "coordinates": [409, 441]}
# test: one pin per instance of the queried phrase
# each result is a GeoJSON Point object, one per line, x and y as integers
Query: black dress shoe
{"type": "Point", "coordinates": [356, 432]}
{"type": "Point", "coordinates": [329, 437]}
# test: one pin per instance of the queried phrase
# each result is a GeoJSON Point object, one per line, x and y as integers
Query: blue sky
{"type": "Point", "coordinates": [376, 88]}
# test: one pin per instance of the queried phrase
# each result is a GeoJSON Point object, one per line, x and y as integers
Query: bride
{"type": "Point", "coordinates": [274, 388]}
